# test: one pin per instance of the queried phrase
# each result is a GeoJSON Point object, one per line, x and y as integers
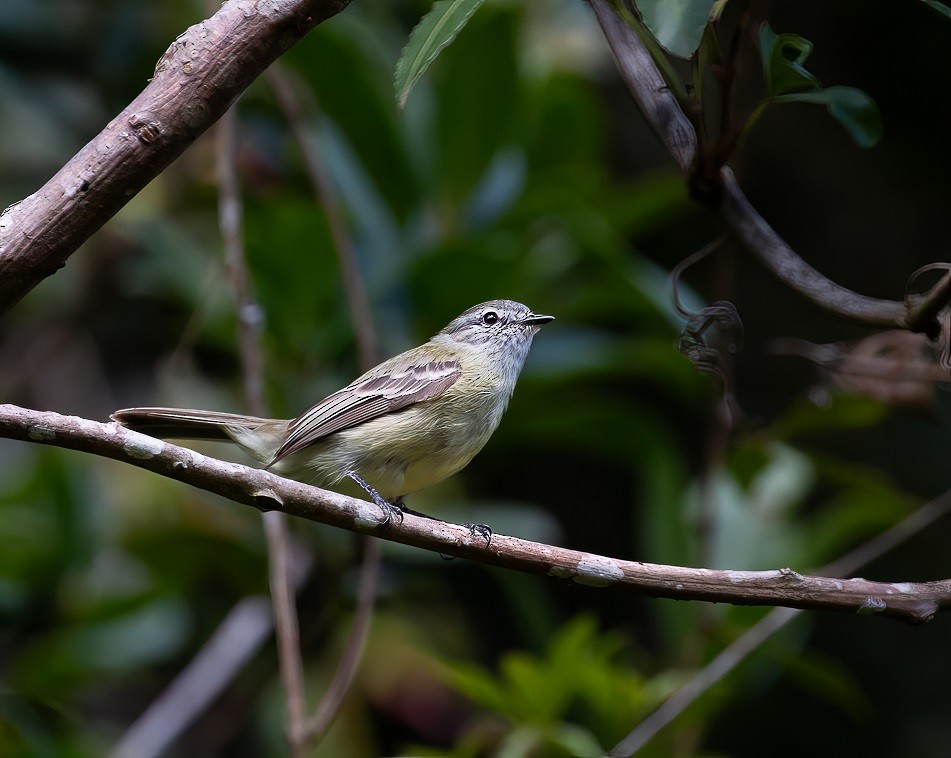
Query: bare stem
{"type": "Point", "coordinates": [289, 101]}
{"type": "Point", "coordinates": [230, 221]}
{"type": "Point", "coordinates": [326, 711]}
{"type": "Point", "coordinates": [230, 218]}
{"type": "Point", "coordinates": [283, 599]}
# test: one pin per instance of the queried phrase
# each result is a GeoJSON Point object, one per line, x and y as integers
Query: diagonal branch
{"type": "Point", "coordinates": [192, 691]}
{"type": "Point", "coordinates": [914, 602]}
{"type": "Point", "coordinates": [650, 90]}
{"type": "Point", "coordinates": [195, 81]}
{"type": "Point", "coordinates": [744, 645]}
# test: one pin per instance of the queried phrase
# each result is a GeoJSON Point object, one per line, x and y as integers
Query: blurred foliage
{"type": "Point", "coordinates": [520, 169]}
{"type": "Point", "coordinates": [579, 674]}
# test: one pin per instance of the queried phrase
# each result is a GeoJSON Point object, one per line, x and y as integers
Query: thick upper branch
{"type": "Point", "coordinates": [195, 81]}
{"type": "Point", "coordinates": [646, 83]}
{"type": "Point", "coordinates": [913, 602]}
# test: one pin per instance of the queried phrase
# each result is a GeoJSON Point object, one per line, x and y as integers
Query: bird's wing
{"type": "Point", "coordinates": [384, 390]}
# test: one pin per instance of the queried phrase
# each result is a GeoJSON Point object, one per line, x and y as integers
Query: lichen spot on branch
{"type": "Point", "coordinates": [141, 446]}
{"type": "Point", "coordinates": [597, 571]}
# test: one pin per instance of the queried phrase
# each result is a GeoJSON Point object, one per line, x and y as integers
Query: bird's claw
{"type": "Point", "coordinates": [481, 530]}
{"type": "Point", "coordinates": [390, 510]}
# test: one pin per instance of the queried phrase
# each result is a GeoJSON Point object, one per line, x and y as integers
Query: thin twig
{"type": "Point", "coordinates": [230, 216]}
{"type": "Point", "coordinates": [738, 650]}
{"type": "Point", "coordinates": [219, 660]}
{"type": "Point", "coordinates": [230, 221]}
{"type": "Point", "coordinates": [286, 626]}
{"type": "Point", "coordinates": [914, 602]}
{"type": "Point", "coordinates": [677, 271]}
{"type": "Point", "coordinates": [712, 673]}
{"type": "Point", "coordinates": [288, 101]}
{"type": "Point", "coordinates": [327, 709]}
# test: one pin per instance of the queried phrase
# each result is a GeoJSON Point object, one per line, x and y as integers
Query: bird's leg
{"type": "Point", "coordinates": [390, 510]}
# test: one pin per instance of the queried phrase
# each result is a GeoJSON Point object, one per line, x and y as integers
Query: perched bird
{"type": "Point", "coordinates": [404, 425]}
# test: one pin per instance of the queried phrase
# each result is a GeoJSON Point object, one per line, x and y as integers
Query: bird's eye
{"type": "Point", "coordinates": [489, 318]}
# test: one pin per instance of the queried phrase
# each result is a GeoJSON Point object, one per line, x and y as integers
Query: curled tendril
{"type": "Point", "coordinates": [916, 275]}
{"type": "Point", "coordinates": [943, 338]}
{"type": "Point", "coordinates": [712, 334]}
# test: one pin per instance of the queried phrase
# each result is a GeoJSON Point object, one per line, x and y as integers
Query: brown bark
{"type": "Point", "coordinates": [195, 81]}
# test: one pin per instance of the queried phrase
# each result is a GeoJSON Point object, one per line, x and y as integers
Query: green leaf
{"type": "Point", "coordinates": [432, 34]}
{"type": "Point", "coordinates": [941, 8]}
{"type": "Point", "coordinates": [783, 56]}
{"type": "Point", "coordinates": [677, 24]}
{"type": "Point", "coordinates": [851, 107]}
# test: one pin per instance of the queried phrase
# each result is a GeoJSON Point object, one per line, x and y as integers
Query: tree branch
{"type": "Point", "coordinates": [650, 90]}
{"type": "Point", "coordinates": [906, 601]}
{"type": "Point", "coordinates": [195, 82]}
{"type": "Point", "coordinates": [667, 119]}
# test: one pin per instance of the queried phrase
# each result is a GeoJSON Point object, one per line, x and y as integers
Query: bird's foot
{"type": "Point", "coordinates": [475, 530]}
{"type": "Point", "coordinates": [481, 530]}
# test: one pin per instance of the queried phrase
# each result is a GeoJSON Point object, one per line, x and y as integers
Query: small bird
{"type": "Point", "coordinates": [404, 425]}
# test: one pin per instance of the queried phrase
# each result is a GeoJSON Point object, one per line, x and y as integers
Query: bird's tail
{"type": "Point", "coordinates": [259, 437]}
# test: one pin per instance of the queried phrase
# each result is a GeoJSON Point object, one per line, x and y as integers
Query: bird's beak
{"type": "Point", "coordinates": [537, 319]}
